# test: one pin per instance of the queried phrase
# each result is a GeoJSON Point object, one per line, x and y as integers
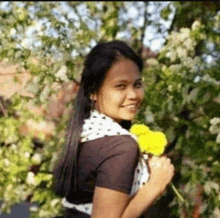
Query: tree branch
{"type": "Point", "coordinates": [144, 27]}
{"type": "Point", "coordinates": [4, 111]}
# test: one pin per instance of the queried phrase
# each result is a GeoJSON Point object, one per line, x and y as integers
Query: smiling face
{"type": "Point", "coordinates": [121, 93]}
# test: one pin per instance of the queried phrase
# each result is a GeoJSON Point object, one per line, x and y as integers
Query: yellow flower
{"type": "Point", "coordinates": [139, 129]}
{"type": "Point", "coordinates": [149, 141]}
{"type": "Point", "coordinates": [153, 143]}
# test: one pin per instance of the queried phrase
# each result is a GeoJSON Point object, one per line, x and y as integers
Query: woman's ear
{"type": "Point", "coordinates": [94, 98]}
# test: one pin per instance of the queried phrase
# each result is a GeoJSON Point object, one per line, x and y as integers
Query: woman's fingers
{"type": "Point", "coordinates": [162, 171]}
{"type": "Point", "coordinates": [161, 160]}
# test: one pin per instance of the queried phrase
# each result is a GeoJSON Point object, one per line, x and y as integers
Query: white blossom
{"type": "Point", "coordinates": [7, 162]}
{"type": "Point", "coordinates": [54, 202]}
{"type": "Point", "coordinates": [37, 158]}
{"type": "Point", "coordinates": [30, 180]}
{"type": "Point", "coordinates": [215, 121]}
{"type": "Point", "coordinates": [210, 185]}
{"type": "Point", "coordinates": [152, 61]}
{"type": "Point", "coordinates": [216, 213]}
{"type": "Point", "coordinates": [33, 208]}
{"type": "Point", "coordinates": [196, 24]}
{"type": "Point", "coordinates": [27, 154]}
{"type": "Point", "coordinates": [24, 43]}
{"type": "Point", "coordinates": [61, 74]}
{"type": "Point", "coordinates": [12, 31]}
{"type": "Point", "coordinates": [218, 138]}
{"type": "Point", "coordinates": [13, 147]}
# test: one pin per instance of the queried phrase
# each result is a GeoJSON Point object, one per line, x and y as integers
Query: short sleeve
{"type": "Point", "coordinates": [120, 158]}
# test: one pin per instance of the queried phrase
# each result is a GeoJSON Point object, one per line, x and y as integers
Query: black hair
{"type": "Point", "coordinates": [97, 63]}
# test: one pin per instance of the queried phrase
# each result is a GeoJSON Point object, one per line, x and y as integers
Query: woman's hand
{"type": "Point", "coordinates": [161, 172]}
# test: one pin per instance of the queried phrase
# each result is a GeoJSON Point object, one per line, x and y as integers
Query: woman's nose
{"type": "Point", "coordinates": [132, 93]}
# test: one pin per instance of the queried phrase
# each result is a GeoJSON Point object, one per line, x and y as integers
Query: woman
{"type": "Point", "coordinates": [96, 171]}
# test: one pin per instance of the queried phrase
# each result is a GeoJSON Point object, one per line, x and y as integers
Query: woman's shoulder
{"type": "Point", "coordinates": [114, 139]}
{"type": "Point", "coordinates": [111, 144]}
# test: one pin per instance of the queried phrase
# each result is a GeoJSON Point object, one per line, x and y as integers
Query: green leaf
{"type": "Point", "coordinates": [165, 13]}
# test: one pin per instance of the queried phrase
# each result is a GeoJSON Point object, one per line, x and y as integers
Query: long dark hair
{"type": "Point", "coordinates": [96, 65]}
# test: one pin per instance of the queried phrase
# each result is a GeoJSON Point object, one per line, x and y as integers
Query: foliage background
{"type": "Point", "coordinates": [182, 97]}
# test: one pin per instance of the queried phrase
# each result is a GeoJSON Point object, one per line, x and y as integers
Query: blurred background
{"type": "Point", "coordinates": [42, 49]}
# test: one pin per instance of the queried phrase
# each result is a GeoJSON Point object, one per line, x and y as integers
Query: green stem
{"type": "Point", "coordinates": [177, 193]}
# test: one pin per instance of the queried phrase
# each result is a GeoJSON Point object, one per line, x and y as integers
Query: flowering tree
{"type": "Point", "coordinates": [48, 40]}
{"type": "Point", "coordinates": [183, 99]}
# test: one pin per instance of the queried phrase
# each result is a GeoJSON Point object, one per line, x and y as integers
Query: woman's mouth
{"type": "Point", "coordinates": [131, 107]}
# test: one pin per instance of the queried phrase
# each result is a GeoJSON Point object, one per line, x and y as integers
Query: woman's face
{"type": "Point", "coordinates": [121, 93]}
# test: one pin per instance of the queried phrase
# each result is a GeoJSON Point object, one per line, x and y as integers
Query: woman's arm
{"type": "Point", "coordinates": [108, 203]}
{"type": "Point", "coordinates": [114, 204]}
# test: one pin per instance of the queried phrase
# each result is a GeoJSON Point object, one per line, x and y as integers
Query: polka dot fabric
{"type": "Point", "coordinates": [97, 126]}
{"type": "Point", "coordinates": [85, 208]}
{"type": "Point", "coordinates": [141, 174]}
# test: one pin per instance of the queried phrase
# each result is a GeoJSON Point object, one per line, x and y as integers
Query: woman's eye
{"type": "Point", "coordinates": [139, 84]}
{"type": "Point", "coordinates": [120, 86]}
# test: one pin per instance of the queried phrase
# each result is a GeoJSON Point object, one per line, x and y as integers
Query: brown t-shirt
{"type": "Point", "coordinates": [106, 162]}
